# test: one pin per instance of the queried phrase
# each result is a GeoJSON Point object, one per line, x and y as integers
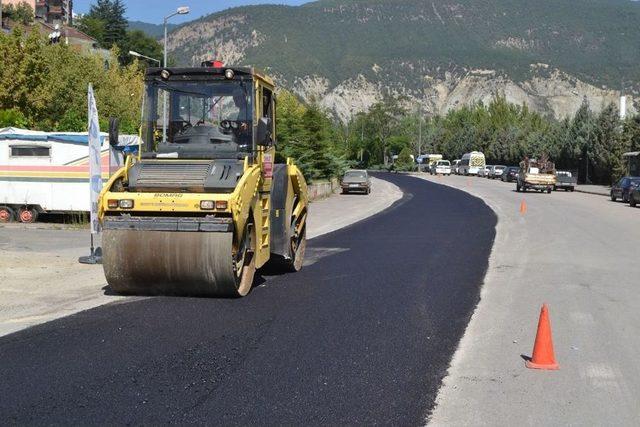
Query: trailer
{"type": "Point", "coordinates": [538, 175]}
{"type": "Point", "coordinates": [48, 172]}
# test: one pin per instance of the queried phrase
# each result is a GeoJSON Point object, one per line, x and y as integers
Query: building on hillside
{"type": "Point", "coordinates": [50, 11]}
{"type": "Point", "coordinates": [73, 37]}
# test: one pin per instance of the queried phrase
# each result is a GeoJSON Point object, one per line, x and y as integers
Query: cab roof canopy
{"type": "Point", "coordinates": [207, 73]}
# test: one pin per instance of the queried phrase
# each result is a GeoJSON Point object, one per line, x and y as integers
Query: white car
{"type": "Point", "coordinates": [443, 167]}
{"type": "Point", "coordinates": [484, 172]}
{"type": "Point", "coordinates": [496, 172]}
{"type": "Point", "coordinates": [455, 167]}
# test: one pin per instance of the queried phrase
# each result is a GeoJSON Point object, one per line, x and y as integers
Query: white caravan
{"type": "Point", "coordinates": [49, 172]}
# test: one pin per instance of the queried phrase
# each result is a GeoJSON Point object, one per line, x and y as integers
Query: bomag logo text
{"type": "Point", "coordinates": [172, 195]}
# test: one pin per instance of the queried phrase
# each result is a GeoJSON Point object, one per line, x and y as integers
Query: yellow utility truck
{"type": "Point", "coordinates": [202, 205]}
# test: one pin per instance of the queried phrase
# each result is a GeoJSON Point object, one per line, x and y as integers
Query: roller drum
{"type": "Point", "coordinates": [170, 263]}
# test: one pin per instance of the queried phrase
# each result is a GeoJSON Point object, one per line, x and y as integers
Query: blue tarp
{"type": "Point", "coordinates": [29, 135]}
{"type": "Point", "coordinates": [127, 143]}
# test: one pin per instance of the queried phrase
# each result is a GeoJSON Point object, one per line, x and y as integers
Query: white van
{"type": "Point", "coordinates": [471, 163]}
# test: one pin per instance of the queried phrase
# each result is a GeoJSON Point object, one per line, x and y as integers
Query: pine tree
{"type": "Point", "coordinates": [114, 24]}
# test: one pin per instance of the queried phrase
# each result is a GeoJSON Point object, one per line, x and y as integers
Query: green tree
{"type": "Point", "coordinates": [578, 145]}
{"type": "Point", "coordinates": [289, 125]}
{"type": "Point", "coordinates": [384, 118]}
{"type": "Point", "coordinates": [21, 13]}
{"type": "Point", "coordinates": [315, 150]}
{"type": "Point", "coordinates": [106, 23]}
{"type": "Point", "coordinates": [92, 26]}
{"type": "Point", "coordinates": [608, 146]}
{"type": "Point", "coordinates": [404, 161]}
{"type": "Point", "coordinates": [47, 85]}
{"type": "Point", "coordinates": [138, 41]}
{"type": "Point", "coordinates": [13, 118]}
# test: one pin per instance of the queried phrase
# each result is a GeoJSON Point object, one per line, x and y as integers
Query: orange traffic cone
{"type": "Point", "coordinates": [523, 207]}
{"type": "Point", "coordinates": [543, 356]}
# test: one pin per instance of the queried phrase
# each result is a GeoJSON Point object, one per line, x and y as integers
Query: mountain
{"type": "Point", "coordinates": [152, 30]}
{"type": "Point", "coordinates": [441, 53]}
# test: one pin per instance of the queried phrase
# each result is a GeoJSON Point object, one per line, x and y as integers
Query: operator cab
{"type": "Point", "coordinates": [205, 113]}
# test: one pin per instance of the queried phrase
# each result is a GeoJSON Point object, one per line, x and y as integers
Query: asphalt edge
{"type": "Point", "coordinates": [483, 290]}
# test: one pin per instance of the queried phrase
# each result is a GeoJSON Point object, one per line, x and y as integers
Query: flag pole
{"type": "Point", "coordinates": [95, 175]}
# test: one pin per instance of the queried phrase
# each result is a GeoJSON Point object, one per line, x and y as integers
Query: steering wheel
{"type": "Point", "coordinates": [185, 125]}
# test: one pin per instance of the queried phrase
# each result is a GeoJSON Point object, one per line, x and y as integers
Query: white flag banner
{"type": "Point", "coordinates": [95, 164]}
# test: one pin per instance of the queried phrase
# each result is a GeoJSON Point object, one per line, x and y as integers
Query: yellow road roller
{"type": "Point", "coordinates": [202, 205]}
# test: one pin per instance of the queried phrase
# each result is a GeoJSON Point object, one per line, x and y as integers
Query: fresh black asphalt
{"type": "Point", "coordinates": [363, 335]}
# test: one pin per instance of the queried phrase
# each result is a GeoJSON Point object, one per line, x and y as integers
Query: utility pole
{"type": "Point", "coordinates": [1, 26]}
{"type": "Point", "coordinates": [420, 131]}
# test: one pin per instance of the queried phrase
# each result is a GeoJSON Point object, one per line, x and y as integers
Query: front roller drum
{"type": "Point", "coordinates": [177, 263]}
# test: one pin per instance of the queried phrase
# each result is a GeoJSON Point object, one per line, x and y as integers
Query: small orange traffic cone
{"type": "Point", "coordinates": [543, 355]}
{"type": "Point", "coordinates": [523, 207]}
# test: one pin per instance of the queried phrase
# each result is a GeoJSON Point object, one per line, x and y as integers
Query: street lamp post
{"type": "Point", "coordinates": [420, 131]}
{"type": "Point", "coordinates": [182, 10]}
{"type": "Point", "coordinates": [139, 55]}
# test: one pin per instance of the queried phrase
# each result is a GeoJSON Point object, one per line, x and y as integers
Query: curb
{"type": "Point", "coordinates": [591, 192]}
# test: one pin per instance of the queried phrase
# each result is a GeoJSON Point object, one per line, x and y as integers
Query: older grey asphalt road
{"type": "Point", "coordinates": [578, 253]}
{"type": "Point", "coordinates": [362, 335]}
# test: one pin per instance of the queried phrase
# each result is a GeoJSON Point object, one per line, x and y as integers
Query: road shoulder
{"type": "Point", "coordinates": [569, 250]}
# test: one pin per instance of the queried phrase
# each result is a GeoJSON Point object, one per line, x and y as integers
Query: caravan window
{"type": "Point", "coordinates": [30, 151]}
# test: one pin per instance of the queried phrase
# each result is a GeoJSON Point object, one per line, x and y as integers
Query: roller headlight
{"type": "Point", "coordinates": [126, 204]}
{"type": "Point", "coordinates": [207, 205]}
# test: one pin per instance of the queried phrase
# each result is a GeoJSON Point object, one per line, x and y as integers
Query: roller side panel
{"type": "Point", "coordinates": [280, 216]}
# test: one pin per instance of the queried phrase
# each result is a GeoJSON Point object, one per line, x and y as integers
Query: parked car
{"type": "Point", "coordinates": [443, 167]}
{"type": "Point", "coordinates": [432, 168]}
{"type": "Point", "coordinates": [565, 181]}
{"type": "Point", "coordinates": [484, 172]}
{"type": "Point", "coordinates": [634, 197]}
{"type": "Point", "coordinates": [622, 189]}
{"type": "Point", "coordinates": [496, 172]}
{"type": "Point", "coordinates": [356, 181]}
{"type": "Point", "coordinates": [454, 166]}
{"type": "Point", "coordinates": [510, 174]}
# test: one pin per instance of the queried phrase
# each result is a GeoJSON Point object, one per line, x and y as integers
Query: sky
{"type": "Point", "coordinates": [153, 11]}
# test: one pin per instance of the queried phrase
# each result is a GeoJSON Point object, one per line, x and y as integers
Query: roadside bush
{"type": "Point", "coordinates": [12, 118]}
{"type": "Point", "coordinates": [404, 161]}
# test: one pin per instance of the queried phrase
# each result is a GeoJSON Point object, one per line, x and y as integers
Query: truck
{"type": "Point", "coordinates": [203, 205]}
{"type": "Point", "coordinates": [537, 175]}
{"type": "Point", "coordinates": [565, 181]}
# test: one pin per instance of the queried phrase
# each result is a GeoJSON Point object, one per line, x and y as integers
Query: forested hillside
{"type": "Point", "coordinates": [547, 53]}
{"type": "Point", "coordinates": [594, 40]}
